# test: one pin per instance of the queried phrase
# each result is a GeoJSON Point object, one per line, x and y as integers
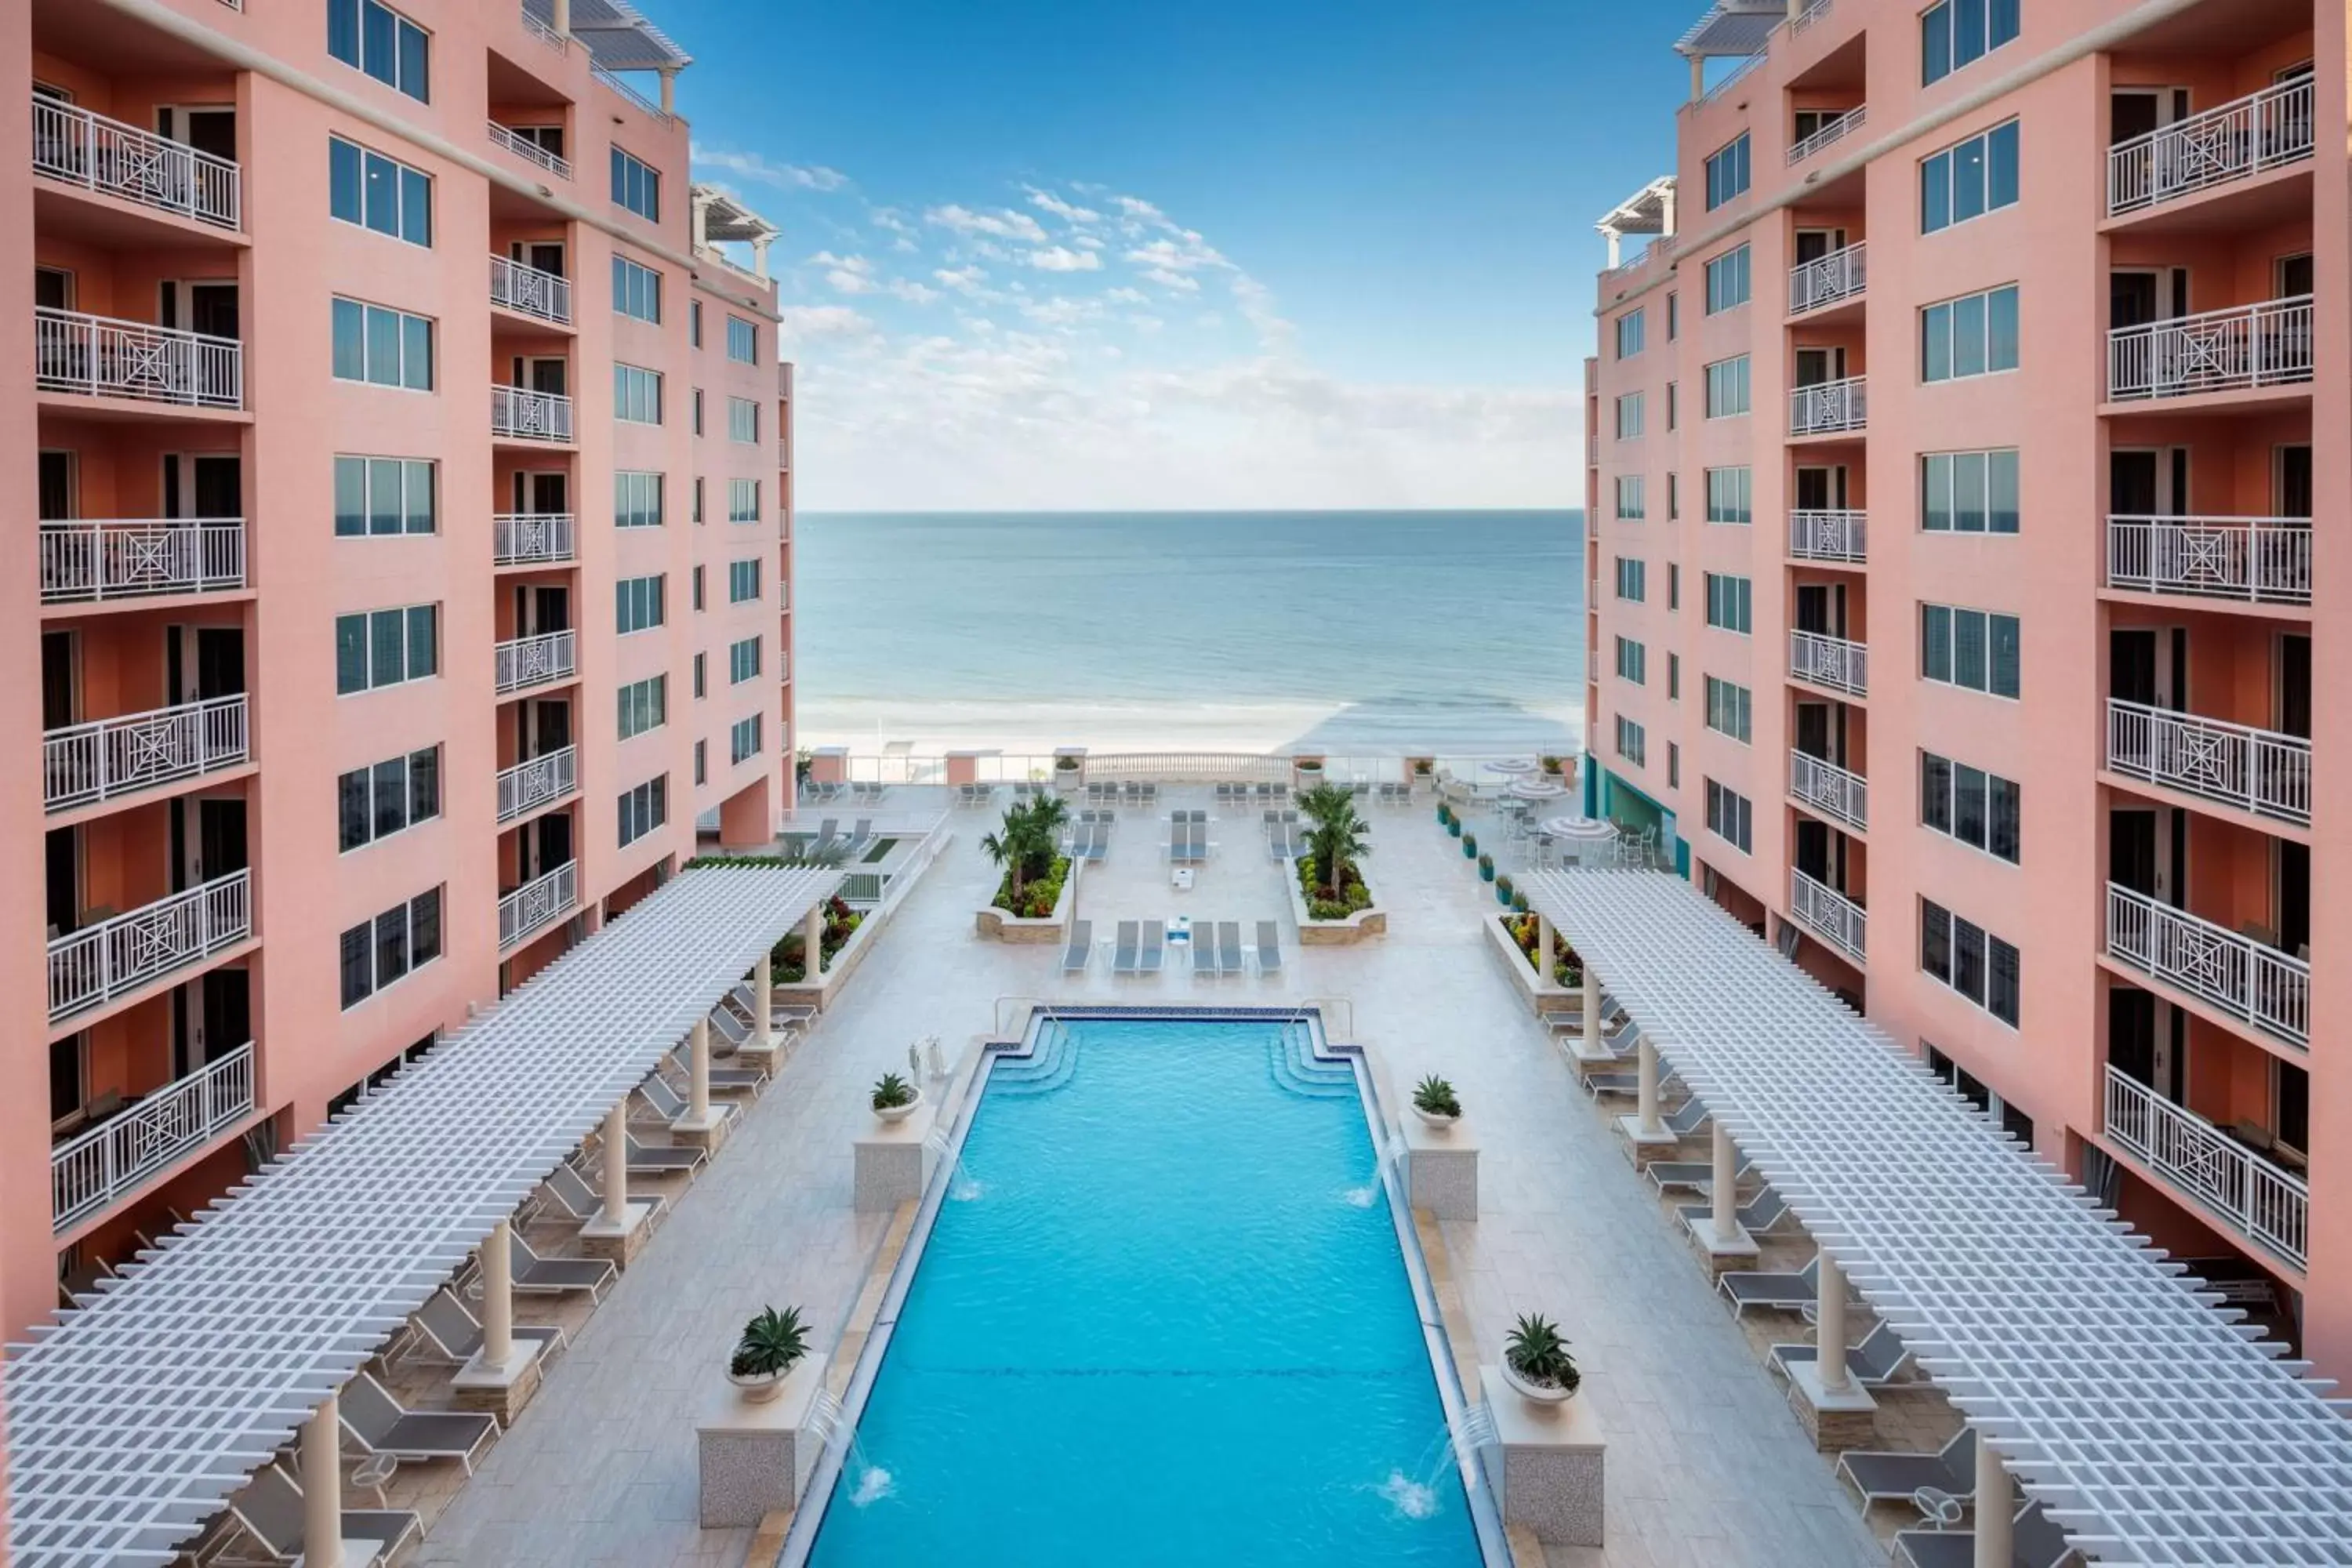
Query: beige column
{"type": "Point", "coordinates": [764, 1003]}
{"type": "Point", "coordinates": [697, 1094]}
{"type": "Point", "coordinates": [323, 1488]}
{"type": "Point", "coordinates": [498, 1298]}
{"type": "Point", "coordinates": [698, 212]}
{"type": "Point", "coordinates": [1829, 1331]}
{"type": "Point", "coordinates": [1699, 77]}
{"type": "Point", "coordinates": [1726, 1183]}
{"type": "Point", "coordinates": [669, 90]}
{"type": "Point", "coordinates": [813, 939]}
{"type": "Point", "coordinates": [1614, 246]}
{"type": "Point", "coordinates": [1543, 949]}
{"type": "Point", "coordinates": [1645, 1084]}
{"type": "Point", "coordinates": [1591, 1012]}
{"type": "Point", "coordinates": [759, 257]}
{"type": "Point", "coordinates": [563, 18]}
{"type": "Point", "coordinates": [1667, 199]}
{"type": "Point", "coordinates": [1995, 1504]}
{"type": "Point", "coordinates": [616, 1165]}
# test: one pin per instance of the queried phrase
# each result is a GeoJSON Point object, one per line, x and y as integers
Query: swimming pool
{"type": "Point", "coordinates": [1163, 1315]}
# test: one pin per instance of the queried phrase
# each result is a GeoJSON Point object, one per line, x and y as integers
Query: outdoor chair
{"type": "Point", "coordinates": [1155, 945]}
{"type": "Point", "coordinates": [1265, 791]}
{"type": "Point", "coordinates": [1150, 793]}
{"type": "Point", "coordinates": [2034, 1542]}
{"type": "Point", "coordinates": [1689, 1175]}
{"type": "Point", "coordinates": [1746, 1288]}
{"type": "Point", "coordinates": [861, 837]}
{"type": "Point", "coordinates": [1094, 791]}
{"type": "Point", "coordinates": [1097, 841]}
{"type": "Point", "coordinates": [723, 1080]}
{"type": "Point", "coordinates": [1126, 953]}
{"type": "Point", "coordinates": [1885, 1477]}
{"type": "Point", "coordinates": [535, 1275]}
{"type": "Point", "coordinates": [1627, 1084]}
{"type": "Point", "coordinates": [1204, 947]}
{"type": "Point", "coordinates": [664, 1159]}
{"type": "Point", "coordinates": [1080, 949]}
{"type": "Point", "coordinates": [1278, 840]}
{"type": "Point", "coordinates": [1270, 948]}
{"type": "Point", "coordinates": [1229, 947]}
{"type": "Point", "coordinates": [267, 1516]}
{"type": "Point", "coordinates": [731, 1030]}
{"type": "Point", "coordinates": [378, 1424]}
{"type": "Point", "coordinates": [1134, 793]}
{"type": "Point", "coordinates": [446, 1333]}
{"type": "Point", "coordinates": [567, 1191]}
{"type": "Point", "coordinates": [669, 1105]}
{"type": "Point", "coordinates": [1224, 795]}
{"type": "Point", "coordinates": [1878, 1360]}
{"type": "Point", "coordinates": [1768, 1209]}
{"type": "Point", "coordinates": [1281, 791]}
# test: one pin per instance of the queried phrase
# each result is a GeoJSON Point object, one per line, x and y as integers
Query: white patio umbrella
{"type": "Point", "coordinates": [1512, 766]}
{"type": "Point", "coordinates": [1540, 787]}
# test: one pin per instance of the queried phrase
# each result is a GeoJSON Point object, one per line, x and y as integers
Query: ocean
{"type": "Point", "coordinates": [1354, 633]}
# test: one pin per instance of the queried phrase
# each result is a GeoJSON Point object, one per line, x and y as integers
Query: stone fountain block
{"type": "Point", "coordinates": [1551, 1464]}
{"type": "Point", "coordinates": [1441, 1168]}
{"type": "Point", "coordinates": [892, 1165]}
{"type": "Point", "coordinates": [756, 1457]}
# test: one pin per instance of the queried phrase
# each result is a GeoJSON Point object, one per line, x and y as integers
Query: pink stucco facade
{"type": "Point", "coordinates": [2112, 938]}
{"type": "Point", "coordinates": [205, 530]}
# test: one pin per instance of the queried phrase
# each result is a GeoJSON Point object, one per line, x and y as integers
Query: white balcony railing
{"type": "Point", "coordinates": [2265, 129]}
{"type": "Point", "coordinates": [1836, 535]}
{"type": "Point", "coordinates": [88, 1173]}
{"type": "Point", "coordinates": [1817, 11]}
{"type": "Point", "coordinates": [101, 357]}
{"type": "Point", "coordinates": [2245, 978]}
{"type": "Point", "coordinates": [1826, 279]}
{"type": "Point", "coordinates": [518, 538]}
{"type": "Point", "coordinates": [2263, 345]}
{"type": "Point", "coordinates": [123, 559]}
{"type": "Point", "coordinates": [1830, 406]}
{"type": "Point", "coordinates": [530, 151]}
{"type": "Point", "coordinates": [534, 662]}
{"type": "Point", "coordinates": [1830, 789]}
{"type": "Point", "coordinates": [2258, 771]}
{"type": "Point", "coordinates": [544, 31]}
{"type": "Point", "coordinates": [1828, 913]}
{"type": "Point", "coordinates": [119, 955]}
{"type": "Point", "coordinates": [1828, 133]}
{"type": "Point", "coordinates": [113, 757]}
{"type": "Point", "coordinates": [1833, 662]}
{"type": "Point", "coordinates": [2258, 560]}
{"type": "Point", "coordinates": [529, 785]}
{"type": "Point", "coordinates": [626, 91]}
{"type": "Point", "coordinates": [537, 902]}
{"type": "Point", "coordinates": [2259, 1199]}
{"type": "Point", "coordinates": [529, 415]}
{"type": "Point", "coordinates": [118, 160]}
{"type": "Point", "coordinates": [528, 291]}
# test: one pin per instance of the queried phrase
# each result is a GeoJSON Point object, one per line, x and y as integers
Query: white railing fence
{"type": "Point", "coordinates": [1825, 279]}
{"type": "Point", "coordinates": [529, 150]}
{"type": "Point", "coordinates": [127, 559]}
{"type": "Point", "coordinates": [537, 903]}
{"type": "Point", "coordinates": [118, 160]}
{"type": "Point", "coordinates": [112, 757]}
{"type": "Point", "coordinates": [1828, 913]}
{"type": "Point", "coordinates": [1828, 133]}
{"type": "Point", "coordinates": [2259, 771]}
{"type": "Point", "coordinates": [537, 780]}
{"type": "Point", "coordinates": [2260, 560]}
{"type": "Point", "coordinates": [2267, 344]}
{"type": "Point", "coordinates": [1830, 789]}
{"type": "Point", "coordinates": [520, 537]}
{"type": "Point", "coordinates": [533, 415]}
{"type": "Point", "coordinates": [529, 661]}
{"type": "Point", "coordinates": [2261, 130]}
{"type": "Point", "coordinates": [1817, 11]}
{"type": "Point", "coordinates": [1830, 406]}
{"type": "Point", "coordinates": [89, 1171]}
{"type": "Point", "coordinates": [119, 955]}
{"type": "Point", "coordinates": [625, 90]}
{"type": "Point", "coordinates": [528, 291]}
{"type": "Point", "coordinates": [1829, 535]}
{"type": "Point", "coordinates": [2261, 1200]}
{"type": "Point", "coordinates": [1833, 662]}
{"type": "Point", "coordinates": [2249, 979]}
{"type": "Point", "coordinates": [98, 356]}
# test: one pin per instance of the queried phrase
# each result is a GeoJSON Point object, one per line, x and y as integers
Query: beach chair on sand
{"type": "Point", "coordinates": [1080, 949]}
{"type": "Point", "coordinates": [1126, 948]}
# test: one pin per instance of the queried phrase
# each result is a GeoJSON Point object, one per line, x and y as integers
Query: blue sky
{"type": "Point", "coordinates": [1049, 254]}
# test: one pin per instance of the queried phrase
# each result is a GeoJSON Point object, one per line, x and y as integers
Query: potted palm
{"type": "Point", "coordinates": [1550, 765]}
{"type": "Point", "coordinates": [1485, 867]}
{"type": "Point", "coordinates": [1503, 888]}
{"type": "Point", "coordinates": [772, 1344]}
{"type": "Point", "coordinates": [1434, 1101]}
{"type": "Point", "coordinates": [894, 1098]}
{"type": "Point", "coordinates": [1469, 846]}
{"type": "Point", "coordinates": [1536, 1363]}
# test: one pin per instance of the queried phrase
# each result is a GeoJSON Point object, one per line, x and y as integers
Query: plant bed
{"type": "Point", "coordinates": [1517, 956]}
{"type": "Point", "coordinates": [1031, 898]}
{"type": "Point", "coordinates": [1000, 921]}
{"type": "Point", "coordinates": [1334, 927]}
{"type": "Point", "coordinates": [1329, 894]}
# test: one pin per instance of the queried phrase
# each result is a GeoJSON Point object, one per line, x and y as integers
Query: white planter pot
{"type": "Point", "coordinates": [1430, 1119]}
{"type": "Point", "coordinates": [894, 1114]}
{"type": "Point", "coordinates": [1533, 1393]}
{"type": "Point", "coordinates": [760, 1389]}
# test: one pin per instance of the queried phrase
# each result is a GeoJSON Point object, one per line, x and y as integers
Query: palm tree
{"type": "Point", "coordinates": [1024, 844]}
{"type": "Point", "coordinates": [1338, 841]}
{"type": "Point", "coordinates": [1325, 802]}
{"type": "Point", "coordinates": [1009, 847]}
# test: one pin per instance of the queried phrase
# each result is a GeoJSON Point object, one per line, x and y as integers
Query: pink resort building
{"type": "Point", "coordinates": [403, 453]}
{"type": "Point", "coordinates": [1954, 587]}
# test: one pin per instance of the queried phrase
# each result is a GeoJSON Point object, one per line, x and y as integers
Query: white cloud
{"type": "Point", "coordinates": [1175, 281]}
{"type": "Point", "coordinates": [1127, 296]}
{"type": "Point", "coordinates": [824, 321]}
{"type": "Point", "coordinates": [892, 223]}
{"type": "Point", "coordinates": [847, 274]}
{"type": "Point", "coordinates": [1062, 259]}
{"type": "Point", "coordinates": [1004, 223]}
{"type": "Point", "coordinates": [914, 293]}
{"type": "Point", "coordinates": [1188, 253]}
{"type": "Point", "coordinates": [963, 280]}
{"type": "Point", "coordinates": [1047, 200]}
{"type": "Point", "coordinates": [1060, 311]}
{"type": "Point", "coordinates": [1091, 242]}
{"type": "Point", "coordinates": [767, 171]}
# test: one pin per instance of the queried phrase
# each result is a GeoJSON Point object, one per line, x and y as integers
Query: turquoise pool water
{"type": "Point", "coordinates": [1162, 1317]}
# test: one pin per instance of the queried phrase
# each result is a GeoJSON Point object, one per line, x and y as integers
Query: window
{"type": "Point", "coordinates": [1674, 586]}
{"type": "Point", "coordinates": [382, 495]}
{"type": "Point", "coordinates": [694, 404]}
{"type": "Point", "coordinates": [1730, 817]}
{"type": "Point", "coordinates": [376, 952]}
{"type": "Point", "coordinates": [743, 420]}
{"type": "Point", "coordinates": [744, 739]}
{"type": "Point", "coordinates": [1973, 335]}
{"type": "Point", "coordinates": [379, 801]}
{"type": "Point", "coordinates": [1632, 741]}
{"type": "Point", "coordinates": [1673, 404]}
{"type": "Point", "coordinates": [1726, 280]}
{"type": "Point", "coordinates": [1673, 677]}
{"type": "Point", "coordinates": [1727, 388]}
{"type": "Point", "coordinates": [1969, 492]}
{"type": "Point", "coordinates": [382, 42]}
{"type": "Point", "coordinates": [1629, 334]}
{"type": "Point", "coordinates": [637, 290]}
{"type": "Point", "coordinates": [1970, 959]}
{"type": "Point", "coordinates": [1968, 179]}
{"type": "Point", "coordinates": [387, 347]}
{"type": "Point", "coordinates": [637, 393]}
{"type": "Point", "coordinates": [743, 501]}
{"type": "Point", "coordinates": [1632, 579]}
{"type": "Point", "coordinates": [645, 705]}
{"type": "Point", "coordinates": [742, 580]}
{"type": "Point", "coordinates": [636, 500]}
{"type": "Point", "coordinates": [386, 647]}
{"type": "Point", "coordinates": [644, 809]}
{"type": "Point", "coordinates": [1727, 492]}
{"type": "Point", "coordinates": [697, 587]}
{"type": "Point", "coordinates": [1974, 649]}
{"type": "Point", "coordinates": [1633, 503]}
{"type": "Point", "coordinates": [1674, 316]}
{"type": "Point", "coordinates": [1673, 495]}
{"type": "Point", "coordinates": [742, 341]}
{"type": "Point", "coordinates": [702, 761]}
{"type": "Point", "coordinates": [1730, 711]}
{"type": "Point", "coordinates": [639, 603]}
{"type": "Point", "coordinates": [694, 322]}
{"type": "Point", "coordinates": [701, 676]}
{"type": "Point", "coordinates": [378, 193]}
{"type": "Point", "coordinates": [743, 661]}
{"type": "Point", "coordinates": [1674, 766]}
{"type": "Point", "coordinates": [1629, 415]}
{"type": "Point", "coordinates": [1726, 173]}
{"type": "Point", "coordinates": [1979, 808]}
{"type": "Point", "coordinates": [697, 498]}
{"type": "Point", "coordinates": [1960, 32]}
{"type": "Point", "coordinates": [1730, 603]}
{"type": "Point", "coordinates": [636, 186]}
{"type": "Point", "coordinates": [1632, 661]}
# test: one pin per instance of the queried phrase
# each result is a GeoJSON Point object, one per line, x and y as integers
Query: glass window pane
{"type": "Point", "coordinates": [1968, 31]}
{"type": "Point", "coordinates": [391, 945]}
{"type": "Point", "coordinates": [387, 653]}
{"type": "Point", "coordinates": [376, 48]}
{"type": "Point", "coordinates": [2002, 809]}
{"type": "Point", "coordinates": [412, 63]}
{"type": "Point", "coordinates": [416, 365]}
{"type": "Point", "coordinates": [1968, 179]}
{"type": "Point", "coordinates": [1968, 336]}
{"type": "Point", "coordinates": [1936, 942]}
{"type": "Point", "coordinates": [350, 341]}
{"type": "Point", "coordinates": [425, 785]}
{"type": "Point", "coordinates": [350, 496]}
{"type": "Point", "coordinates": [1969, 650]}
{"type": "Point", "coordinates": [2000, 166]}
{"type": "Point", "coordinates": [415, 208]}
{"type": "Point", "coordinates": [1934, 194]}
{"type": "Point", "coordinates": [1936, 343]}
{"type": "Point", "coordinates": [384, 495]}
{"type": "Point", "coordinates": [2000, 28]}
{"type": "Point", "coordinates": [418, 496]}
{"type": "Point", "coordinates": [1935, 483]}
{"type": "Point", "coordinates": [422, 645]}
{"type": "Point", "coordinates": [424, 928]}
{"type": "Point", "coordinates": [343, 180]}
{"type": "Point", "coordinates": [1968, 804]}
{"type": "Point", "coordinates": [343, 30]}
{"type": "Point", "coordinates": [2004, 656]}
{"type": "Point", "coordinates": [1967, 493]}
{"type": "Point", "coordinates": [1935, 642]}
{"type": "Point", "coordinates": [382, 346]}
{"type": "Point", "coordinates": [350, 654]}
{"type": "Point", "coordinates": [2000, 491]}
{"type": "Point", "coordinates": [353, 818]}
{"type": "Point", "coordinates": [382, 194]}
{"type": "Point", "coordinates": [357, 982]}
{"type": "Point", "coordinates": [1935, 43]}
{"type": "Point", "coordinates": [1967, 959]}
{"type": "Point", "coordinates": [1936, 792]}
{"type": "Point", "coordinates": [391, 786]}
{"type": "Point", "coordinates": [2000, 330]}
{"type": "Point", "coordinates": [2001, 986]}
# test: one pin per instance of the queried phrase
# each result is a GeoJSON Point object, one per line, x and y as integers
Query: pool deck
{"type": "Point", "coordinates": [1707, 1464]}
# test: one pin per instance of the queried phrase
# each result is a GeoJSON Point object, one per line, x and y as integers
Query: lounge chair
{"type": "Point", "coordinates": [1884, 1477]}
{"type": "Point", "coordinates": [1224, 795]}
{"type": "Point", "coordinates": [860, 836]}
{"type": "Point", "coordinates": [378, 1424]}
{"type": "Point", "coordinates": [1081, 947]}
{"type": "Point", "coordinates": [724, 1080]}
{"type": "Point", "coordinates": [1229, 947]}
{"type": "Point", "coordinates": [1278, 840]}
{"type": "Point", "coordinates": [1200, 845]}
{"type": "Point", "coordinates": [1270, 948]}
{"type": "Point", "coordinates": [1627, 1084]}
{"type": "Point", "coordinates": [669, 1105]}
{"type": "Point", "coordinates": [1878, 1360]}
{"type": "Point", "coordinates": [269, 1511]}
{"type": "Point", "coordinates": [664, 1159]}
{"type": "Point", "coordinates": [1155, 944]}
{"type": "Point", "coordinates": [2034, 1542]}
{"type": "Point", "coordinates": [826, 832]}
{"type": "Point", "coordinates": [1126, 949]}
{"type": "Point", "coordinates": [1094, 791]}
{"type": "Point", "coordinates": [1768, 1209]}
{"type": "Point", "coordinates": [538, 1276]}
{"type": "Point", "coordinates": [1180, 834]}
{"type": "Point", "coordinates": [1204, 947]}
{"type": "Point", "coordinates": [1689, 1175]}
{"type": "Point", "coordinates": [446, 1331]}
{"type": "Point", "coordinates": [1746, 1288]}
{"type": "Point", "coordinates": [567, 1191]}
{"type": "Point", "coordinates": [1150, 792]}
{"type": "Point", "coordinates": [1097, 841]}
{"type": "Point", "coordinates": [733, 1033]}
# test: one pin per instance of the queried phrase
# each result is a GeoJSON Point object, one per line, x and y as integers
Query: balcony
{"type": "Point", "coordinates": [2257, 770]}
{"type": "Point", "coordinates": [116, 757]}
{"type": "Point", "coordinates": [529, 538]}
{"type": "Point", "coordinates": [116, 956]}
{"type": "Point", "coordinates": [2236, 350]}
{"type": "Point", "coordinates": [527, 785]}
{"type": "Point", "coordinates": [115, 1158]}
{"type": "Point", "coordinates": [1827, 133]}
{"type": "Point", "coordinates": [1831, 662]}
{"type": "Point", "coordinates": [1830, 789]}
{"type": "Point", "coordinates": [2259, 1200]}
{"type": "Point", "coordinates": [1827, 536]}
{"type": "Point", "coordinates": [97, 356]}
{"type": "Point", "coordinates": [2254, 560]}
{"type": "Point", "coordinates": [526, 416]}
{"type": "Point", "coordinates": [1831, 407]}
{"type": "Point", "coordinates": [527, 291]}
{"type": "Point", "coordinates": [529, 150]}
{"type": "Point", "coordinates": [538, 903]}
{"type": "Point", "coordinates": [2235, 974]}
{"type": "Point", "coordinates": [2266, 130]}
{"type": "Point", "coordinates": [1828, 914]}
{"type": "Point", "coordinates": [89, 561]}
{"type": "Point", "coordinates": [535, 662]}
{"type": "Point", "coordinates": [1826, 279]}
{"type": "Point", "coordinates": [111, 159]}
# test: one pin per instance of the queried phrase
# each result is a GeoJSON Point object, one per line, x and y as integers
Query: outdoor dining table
{"type": "Point", "coordinates": [1580, 837]}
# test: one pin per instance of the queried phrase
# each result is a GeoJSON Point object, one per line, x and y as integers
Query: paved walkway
{"type": "Point", "coordinates": [1706, 1466]}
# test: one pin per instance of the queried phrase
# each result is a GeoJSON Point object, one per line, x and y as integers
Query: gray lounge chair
{"type": "Point", "coordinates": [1201, 838]}
{"type": "Point", "coordinates": [446, 1332]}
{"type": "Point", "coordinates": [1880, 1359]}
{"type": "Point", "coordinates": [860, 836]}
{"type": "Point", "coordinates": [1229, 947]}
{"type": "Point", "coordinates": [2034, 1542]}
{"type": "Point", "coordinates": [1204, 947]}
{"type": "Point", "coordinates": [1270, 948]}
{"type": "Point", "coordinates": [1884, 1477]}
{"type": "Point", "coordinates": [1627, 1084]}
{"type": "Point", "coordinates": [269, 1514]}
{"type": "Point", "coordinates": [1180, 834]}
{"type": "Point", "coordinates": [1224, 795]}
{"type": "Point", "coordinates": [376, 1423]}
{"type": "Point", "coordinates": [1746, 1288]}
{"type": "Point", "coordinates": [1155, 945]}
{"type": "Point", "coordinates": [669, 1105]}
{"type": "Point", "coordinates": [567, 1191]}
{"type": "Point", "coordinates": [724, 1080]}
{"type": "Point", "coordinates": [1081, 947]}
{"type": "Point", "coordinates": [1126, 949]}
{"type": "Point", "coordinates": [826, 832]}
{"type": "Point", "coordinates": [664, 1159]}
{"type": "Point", "coordinates": [1278, 840]}
{"type": "Point", "coordinates": [538, 1276]}
{"type": "Point", "coordinates": [1150, 792]}
{"type": "Point", "coordinates": [1768, 1210]}
{"type": "Point", "coordinates": [1097, 841]}
{"type": "Point", "coordinates": [1689, 1175]}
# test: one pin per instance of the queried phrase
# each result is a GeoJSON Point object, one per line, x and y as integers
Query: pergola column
{"type": "Point", "coordinates": [323, 1486]}
{"type": "Point", "coordinates": [699, 219]}
{"type": "Point", "coordinates": [699, 1126]}
{"type": "Point", "coordinates": [1543, 949]}
{"type": "Point", "coordinates": [759, 255]}
{"type": "Point", "coordinates": [504, 1373]}
{"type": "Point", "coordinates": [1646, 1089]}
{"type": "Point", "coordinates": [813, 943]}
{"type": "Point", "coordinates": [1587, 1047]}
{"type": "Point", "coordinates": [1829, 1326]}
{"type": "Point", "coordinates": [497, 1297]}
{"type": "Point", "coordinates": [562, 18]}
{"type": "Point", "coordinates": [1699, 77]}
{"type": "Point", "coordinates": [1995, 1505]}
{"type": "Point", "coordinates": [1725, 1182]}
{"type": "Point", "coordinates": [620, 1230]}
{"type": "Point", "coordinates": [1721, 1240]}
{"type": "Point", "coordinates": [669, 89]}
{"type": "Point", "coordinates": [1837, 1412]}
{"type": "Point", "coordinates": [761, 1046]}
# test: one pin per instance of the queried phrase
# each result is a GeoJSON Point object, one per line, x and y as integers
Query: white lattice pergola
{"type": "Point", "coordinates": [2150, 1426]}
{"type": "Point", "coordinates": [131, 1420]}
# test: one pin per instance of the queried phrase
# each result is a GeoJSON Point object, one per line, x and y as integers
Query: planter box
{"type": "Point", "coordinates": [1360, 926]}
{"type": "Point", "coordinates": [753, 1458]}
{"type": "Point", "coordinates": [1541, 995]}
{"type": "Point", "coordinates": [1001, 925]}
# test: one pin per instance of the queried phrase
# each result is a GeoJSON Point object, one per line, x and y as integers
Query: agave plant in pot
{"type": "Point", "coordinates": [1536, 1363]}
{"type": "Point", "coordinates": [1434, 1101]}
{"type": "Point", "coordinates": [772, 1344]}
{"type": "Point", "coordinates": [894, 1098]}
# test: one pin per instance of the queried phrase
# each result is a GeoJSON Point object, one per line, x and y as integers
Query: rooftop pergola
{"type": "Point", "coordinates": [132, 1419]}
{"type": "Point", "coordinates": [2152, 1427]}
{"type": "Point", "coordinates": [1732, 27]}
{"type": "Point", "coordinates": [721, 217]}
{"type": "Point", "coordinates": [618, 35]}
{"type": "Point", "coordinates": [1648, 211]}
